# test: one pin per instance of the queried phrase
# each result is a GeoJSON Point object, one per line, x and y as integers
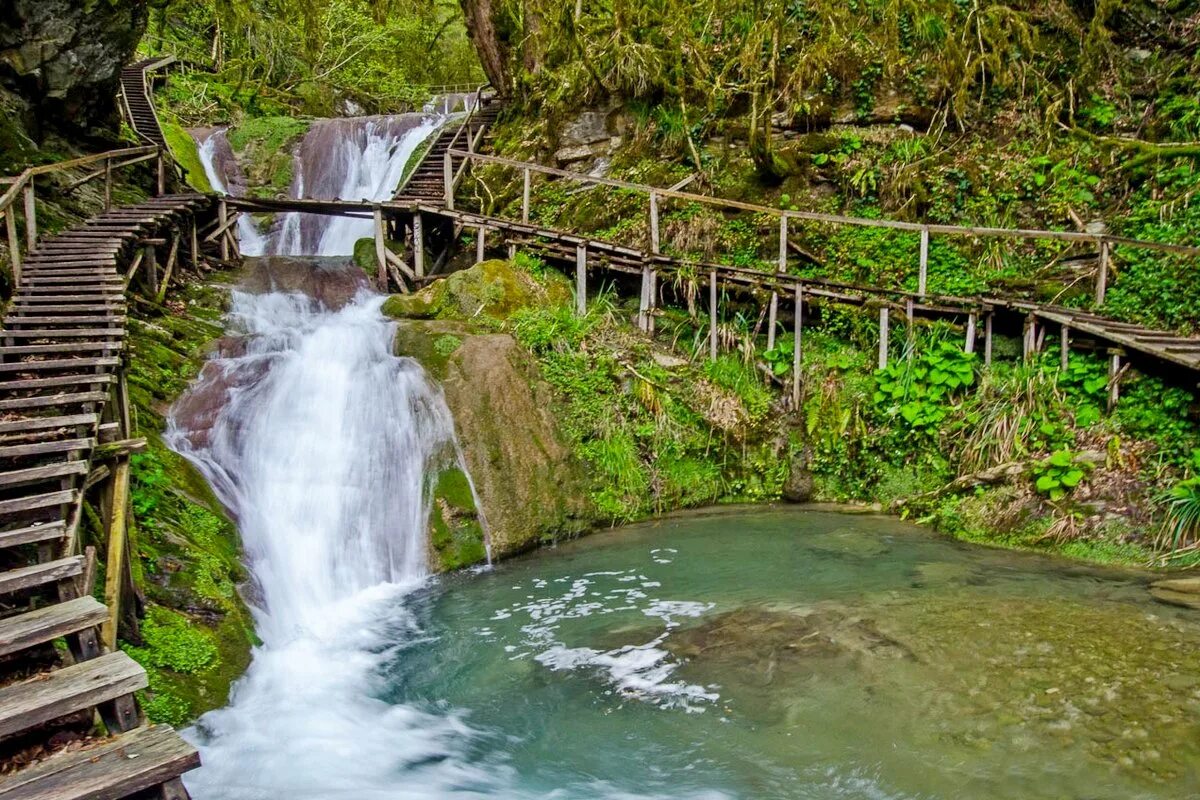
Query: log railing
{"type": "Point", "coordinates": [19, 199]}
{"type": "Point", "coordinates": [1105, 242]}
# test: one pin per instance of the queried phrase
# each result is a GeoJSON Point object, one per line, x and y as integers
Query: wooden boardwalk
{"type": "Point", "coordinates": [137, 105]}
{"type": "Point", "coordinates": [64, 428]}
{"type": "Point", "coordinates": [427, 181]}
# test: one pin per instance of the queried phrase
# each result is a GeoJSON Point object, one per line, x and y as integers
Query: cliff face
{"type": "Point", "coordinates": [60, 61]}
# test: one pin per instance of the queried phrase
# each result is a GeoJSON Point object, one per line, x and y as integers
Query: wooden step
{"type": "Point", "coordinates": [67, 347]}
{"type": "Point", "coordinates": [86, 379]}
{"type": "Point", "coordinates": [133, 762]}
{"type": "Point", "coordinates": [51, 365]}
{"type": "Point", "coordinates": [64, 333]}
{"type": "Point", "coordinates": [46, 448]}
{"type": "Point", "coordinates": [48, 423]}
{"type": "Point", "coordinates": [82, 319]}
{"type": "Point", "coordinates": [28, 309]}
{"type": "Point", "coordinates": [33, 534]}
{"type": "Point", "coordinates": [75, 688]}
{"type": "Point", "coordinates": [32, 502]}
{"type": "Point", "coordinates": [59, 470]}
{"type": "Point", "coordinates": [18, 580]}
{"type": "Point", "coordinates": [81, 297]}
{"type": "Point", "coordinates": [47, 624]}
{"type": "Point", "coordinates": [52, 401]}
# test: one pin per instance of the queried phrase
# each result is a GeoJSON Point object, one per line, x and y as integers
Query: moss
{"type": "Point", "coordinates": [264, 146]}
{"type": "Point", "coordinates": [487, 293]}
{"type": "Point", "coordinates": [456, 532]}
{"type": "Point", "coordinates": [183, 148]}
{"type": "Point", "coordinates": [172, 641]}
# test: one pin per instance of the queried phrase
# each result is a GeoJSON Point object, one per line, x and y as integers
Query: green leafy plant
{"type": "Point", "coordinates": [779, 358]}
{"type": "Point", "coordinates": [920, 390]}
{"type": "Point", "coordinates": [1059, 474]}
{"type": "Point", "coordinates": [1181, 529]}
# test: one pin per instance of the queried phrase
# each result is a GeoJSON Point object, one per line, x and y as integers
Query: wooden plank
{"type": "Point", "coordinates": [59, 363]}
{"type": "Point", "coordinates": [18, 580]}
{"type": "Point", "coordinates": [62, 469]}
{"type": "Point", "coordinates": [87, 379]}
{"type": "Point", "coordinates": [52, 401]}
{"type": "Point", "coordinates": [74, 688]}
{"type": "Point", "coordinates": [33, 534]}
{"type": "Point", "coordinates": [126, 765]}
{"type": "Point", "coordinates": [65, 333]}
{"type": "Point", "coordinates": [49, 623]}
{"type": "Point", "coordinates": [33, 502]}
{"type": "Point", "coordinates": [48, 423]}
{"type": "Point", "coordinates": [883, 337]}
{"type": "Point", "coordinates": [115, 564]}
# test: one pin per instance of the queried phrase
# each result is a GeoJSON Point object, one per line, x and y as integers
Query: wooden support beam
{"type": "Point", "coordinates": [1115, 371]}
{"type": "Point", "coordinates": [987, 339]}
{"type": "Point", "coordinates": [796, 349]}
{"type": "Point", "coordinates": [381, 250]}
{"type": "Point", "coordinates": [970, 345]}
{"type": "Point", "coordinates": [923, 275]}
{"type": "Point", "coordinates": [194, 249]}
{"type": "Point", "coordinates": [1102, 272]}
{"type": "Point", "coordinates": [712, 315]}
{"type": "Point", "coordinates": [30, 216]}
{"type": "Point", "coordinates": [773, 312]}
{"type": "Point", "coordinates": [1065, 346]}
{"type": "Point", "coordinates": [122, 448]}
{"type": "Point", "coordinates": [160, 164]}
{"type": "Point", "coordinates": [150, 262]}
{"type": "Point", "coordinates": [883, 337]}
{"type": "Point", "coordinates": [133, 266]}
{"type": "Point", "coordinates": [115, 558]}
{"type": "Point", "coordinates": [171, 257]}
{"type": "Point", "coordinates": [480, 242]}
{"type": "Point", "coordinates": [525, 177]}
{"type": "Point", "coordinates": [1028, 338]}
{"type": "Point", "coordinates": [581, 280]}
{"type": "Point", "coordinates": [222, 223]}
{"type": "Point", "coordinates": [418, 244]}
{"type": "Point", "coordinates": [654, 223]}
{"type": "Point", "coordinates": [644, 301]}
{"type": "Point", "coordinates": [448, 180]}
{"type": "Point", "coordinates": [107, 184]}
{"type": "Point", "coordinates": [14, 243]}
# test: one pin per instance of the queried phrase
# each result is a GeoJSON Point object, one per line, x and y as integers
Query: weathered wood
{"type": "Point", "coordinates": [1102, 273]}
{"type": "Point", "coordinates": [166, 279]}
{"type": "Point", "coordinates": [1065, 346]}
{"type": "Point", "coordinates": [223, 221]}
{"type": "Point", "coordinates": [32, 534]}
{"type": "Point", "coordinates": [1115, 371]}
{"type": "Point", "coordinates": [50, 365]}
{"type": "Point", "coordinates": [14, 243]}
{"type": "Point", "coordinates": [30, 216]}
{"type": "Point", "coordinates": [970, 344]}
{"type": "Point", "coordinates": [654, 243]}
{"type": "Point", "coordinates": [18, 580]}
{"type": "Point", "coordinates": [883, 337]}
{"type": "Point", "coordinates": [48, 423]}
{"type": "Point", "coordinates": [74, 688]}
{"type": "Point", "coordinates": [108, 168]}
{"type": "Point", "coordinates": [712, 315]}
{"type": "Point", "coordinates": [49, 623]}
{"type": "Point", "coordinates": [115, 559]}
{"type": "Point", "coordinates": [644, 301]}
{"type": "Point", "coordinates": [135, 762]}
{"type": "Point", "coordinates": [45, 448]}
{"type": "Point", "coordinates": [923, 274]}
{"type": "Point", "coordinates": [32, 502]}
{"type": "Point", "coordinates": [121, 448]}
{"type": "Point", "coordinates": [42, 473]}
{"type": "Point", "coordinates": [525, 178]}
{"type": "Point", "coordinates": [448, 181]}
{"type": "Point", "coordinates": [797, 347]}
{"type": "Point", "coordinates": [21, 404]}
{"type": "Point", "coordinates": [580, 280]}
{"type": "Point", "coordinates": [418, 246]}
{"type": "Point", "coordinates": [480, 242]}
{"type": "Point", "coordinates": [380, 251]}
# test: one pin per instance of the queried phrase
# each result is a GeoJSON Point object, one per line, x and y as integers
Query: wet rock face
{"type": "Point", "coordinates": [64, 57]}
{"type": "Point", "coordinates": [333, 282]}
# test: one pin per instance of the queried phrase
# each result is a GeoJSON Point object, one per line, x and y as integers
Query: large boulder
{"type": "Point", "coordinates": [63, 58]}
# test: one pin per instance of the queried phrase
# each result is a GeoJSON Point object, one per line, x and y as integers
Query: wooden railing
{"type": "Point", "coordinates": [1105, 242]}
{"type": "Point", "coordinates": [21, 192]}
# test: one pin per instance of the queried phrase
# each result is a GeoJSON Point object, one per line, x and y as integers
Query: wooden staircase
{"type": "Point", "coordinates": [136, 103]}
{"type": "Point", "coordinates": [427, 182]}
{"type": "Point", "coordinates": [60, 356]}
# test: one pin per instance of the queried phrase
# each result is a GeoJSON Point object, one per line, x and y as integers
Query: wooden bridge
{"type": "Point", "coordinates": [65, 434]}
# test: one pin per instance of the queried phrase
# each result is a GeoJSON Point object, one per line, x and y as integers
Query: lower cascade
{"type": "Point", "coordinates": [322, 444]}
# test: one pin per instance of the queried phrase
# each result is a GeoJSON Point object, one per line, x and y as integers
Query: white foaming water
{"type": "Point", "coordinates": [323, 448]}
{"type": "Point", "coordinates": [216, 156]}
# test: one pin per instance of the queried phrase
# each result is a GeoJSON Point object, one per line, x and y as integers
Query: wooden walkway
{"type": "Point", "coordinates": [427, 182]}
{"type": "Point", "coordinates": [62, 397]}
{"type": "Point", "coordinates": [137, 105]}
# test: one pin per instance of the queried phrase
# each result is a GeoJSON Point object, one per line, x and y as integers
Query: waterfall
{"type": "Point", "coordinates": [323, 446]}
{"type": "Point", "coordinates": [225, 177]}
{"type": "Point", "coordinates": [354, 158]}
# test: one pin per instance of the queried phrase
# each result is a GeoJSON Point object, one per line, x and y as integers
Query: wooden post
{"type": "Point", "coordinates": [418, 244]}
{"type": "Point", "coordinates": [525, 196]}
{"type": "Point", "coordinates": [30, 216]}
{"type": "Point", "coordinates": [652, 301]}
{"type": "Point", "coordinates": [644, 301]}
{"type": "Point", "coordinates": [222, 218]}
{"type": "Point", "coordinates": [1065, 345]}
{"type": "Point", "coordinates": [987, 339]}
{"type": "Point", "coordinates": [161, 165]}
{"type": "Point", "coordinates": [172, 255]}
{"type": "Point", "coordinates": [799, 330]}
{"type": "Point", "coordinates": [380, 251]}
{"type": "Point", "coordinates": [1029, 339]}
{"type": "Point", "coordinates": [712, 315]}
{"type": "Point", "coordinates": [114, 571]}
{"type": "Point", "coordinates": [923, 275]}
{"type": "Point", "coordinates": [654, 222]}
{"type": "Point", "coordinates": [448, 179]}
{"type": "Point", "coordinates": [107, 184]}
{"type": "Point", "coordinates": [1102, 273]}
{"type": "Point", "coordinates": [14, 243]}
{"type": "Point", "coordinates": [970, 346]}
{"type": "Point", "coordinates": [773, 314]}
{"type": "Point", "coordinates": [581, 280]}
{"type": "Point", "coordinates": [883, 336]}
{"type": "Point", "coordinates": [1114, 379]}
{"type": "Point", "coordinates": [480, 242]}
{"type": "Point", "coordinates": [151, 264]}
{"type": "Point", "coordinates": [195, 245]}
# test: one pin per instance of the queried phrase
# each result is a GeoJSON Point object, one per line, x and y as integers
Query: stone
{"type": "Point", "coordinates": [588, 127]}
{"type": "Point", "coordinates": [799, 486]}
{"type": "Point", "coordinates": [1181, 599]}
{"type": "Point", "coordinates": [667, 361]}
{"type": "Point", "coordinates": [1185, 585]}
{"type": "Point", "coordinates": [569, 155]}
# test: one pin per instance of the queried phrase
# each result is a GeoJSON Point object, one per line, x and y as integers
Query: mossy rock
{"type": "Point", "coordinates": [264, 146]}
{"type": "Point", "coordinates": [456, 531]}
{"type": "Point", "coordinates": [490, 290]}
{"type": "Point", "coordinates": [183, 149]}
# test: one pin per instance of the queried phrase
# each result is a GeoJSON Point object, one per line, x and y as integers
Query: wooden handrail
{"type": "Point", "coordinates": [837, 219]}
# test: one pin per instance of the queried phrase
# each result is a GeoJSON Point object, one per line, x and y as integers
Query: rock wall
{"type": "Point", "coordinates": [60, 60]}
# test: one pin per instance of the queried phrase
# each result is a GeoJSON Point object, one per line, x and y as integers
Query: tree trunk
{"type": "Point", "coordinates": [493, 51]}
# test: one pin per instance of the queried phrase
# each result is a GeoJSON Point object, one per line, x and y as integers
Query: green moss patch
{"type": "Point", "coordinates": [487, 293]}
{"type": "Point", "coordinates": [183, 149]}
{"type": "Point", "coordinates": [456, 532]}
{"type": "Point", "coordinates": [264, 146]}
